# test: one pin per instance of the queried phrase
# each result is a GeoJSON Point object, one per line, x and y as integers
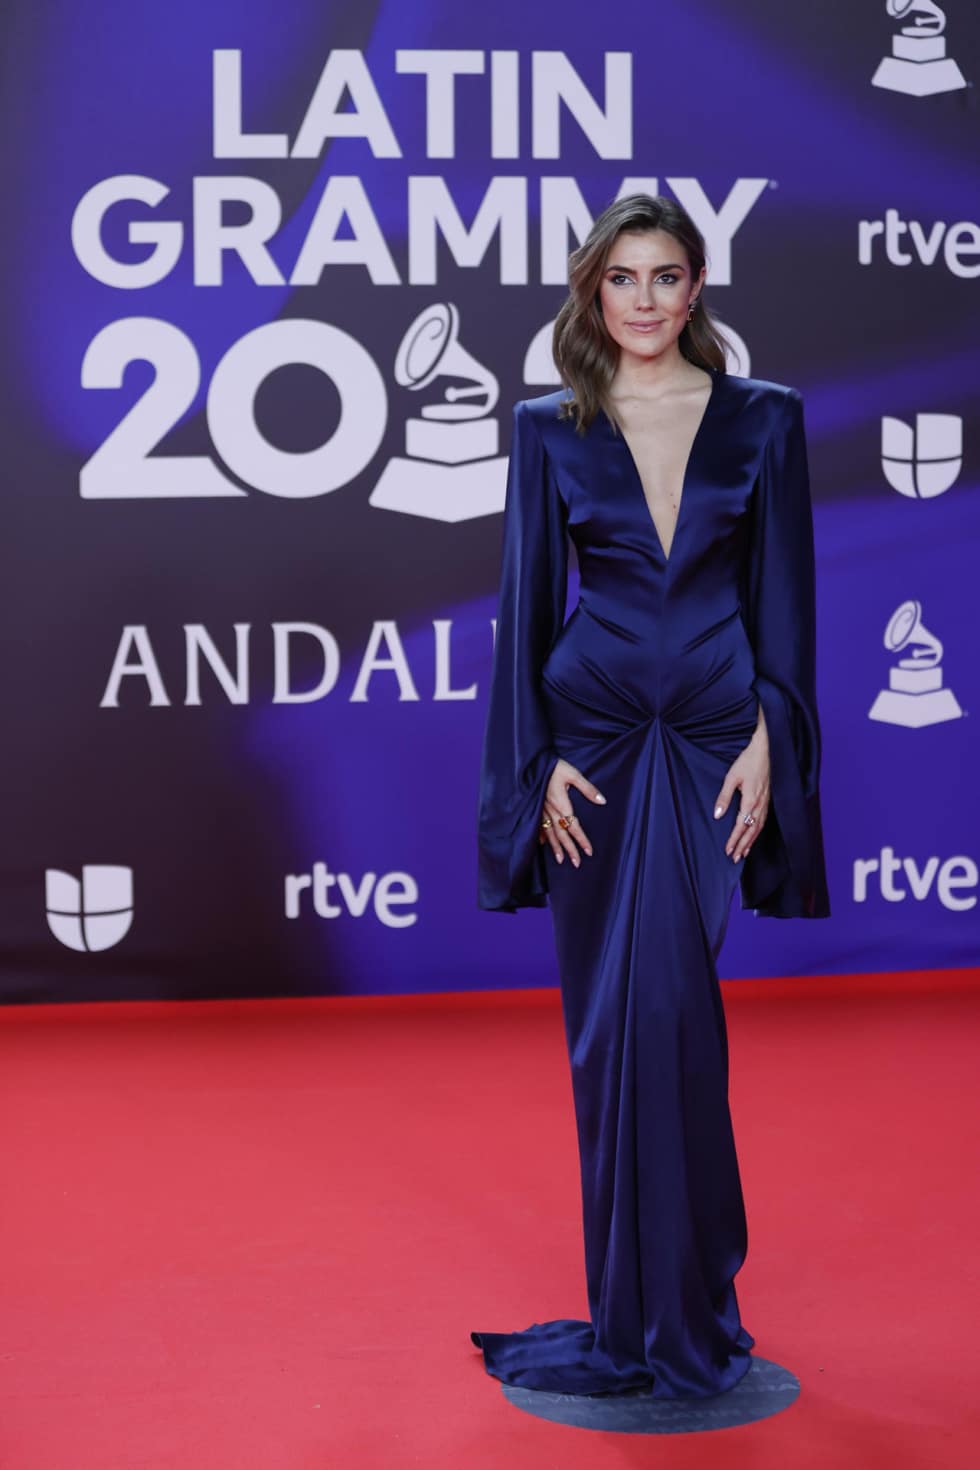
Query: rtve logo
{"type": "Point", "coordinates": [93, 914]}
{"type": "Point", "coordinates": [923, 461]}
{"type": "Point", "coordinates": [959, 242]}
{"type": "Point", "coordinates": [386, 892]}
{"type": "Point", "coordinates": [946, 879]}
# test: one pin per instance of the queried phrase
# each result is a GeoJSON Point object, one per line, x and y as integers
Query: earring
{"type": "Point", "coordinates": [690, 314]}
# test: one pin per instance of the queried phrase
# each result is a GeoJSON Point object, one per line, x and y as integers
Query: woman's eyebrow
{"type": "Point", "coordinates": [630, 270]}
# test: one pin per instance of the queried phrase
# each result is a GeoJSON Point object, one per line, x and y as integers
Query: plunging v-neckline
{"type": "Point", "coordinates": [631, 458]}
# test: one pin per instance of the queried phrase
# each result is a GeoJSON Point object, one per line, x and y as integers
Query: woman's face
{"type": "Point", "coordinates": [646, 291]}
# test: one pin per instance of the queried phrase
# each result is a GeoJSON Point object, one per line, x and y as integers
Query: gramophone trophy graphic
{"type": "Point", "coordinates": [915, 695]}
{"type": "Point", "coordinates": [451, 470]}
{"type": "Point", "coordinates": [918, 65]}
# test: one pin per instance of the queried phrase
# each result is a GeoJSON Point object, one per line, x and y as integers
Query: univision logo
{"type": "Point", "coordinates": [922, 462]}
{"type": "Point", "coordinates": [91, 914]}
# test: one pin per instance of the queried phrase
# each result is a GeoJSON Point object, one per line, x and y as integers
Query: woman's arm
{"type": "Point", "coordinates": [518, 753]}
{"type": "Point", "coordinates": [784, 875]}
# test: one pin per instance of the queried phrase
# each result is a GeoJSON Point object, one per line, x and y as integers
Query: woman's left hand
{"type": "Point", "coordinates": [749, 774]}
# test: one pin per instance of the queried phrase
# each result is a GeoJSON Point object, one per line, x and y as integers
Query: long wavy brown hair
{"type": "Point", "coordinates": [585, 355]}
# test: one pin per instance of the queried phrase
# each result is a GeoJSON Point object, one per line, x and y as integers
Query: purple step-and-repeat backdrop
{"type": "Point", "coordinates": [274, 277]}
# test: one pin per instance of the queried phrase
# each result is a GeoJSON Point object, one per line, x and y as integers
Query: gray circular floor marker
{"type": "Point", "coordinates": [764, 1390]}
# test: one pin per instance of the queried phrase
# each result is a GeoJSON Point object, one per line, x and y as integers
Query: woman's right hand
{"type": "Point", "coordinates": [557, 805]}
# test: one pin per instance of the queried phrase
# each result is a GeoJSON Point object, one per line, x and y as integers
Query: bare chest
{"type": "Point", "coordinates": [660, 440]}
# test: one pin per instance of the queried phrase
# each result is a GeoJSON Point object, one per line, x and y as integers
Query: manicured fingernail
{"type": "Point", "coordinates": [589, 851]}
{"type": "Point", "coordinates": [718, 811]}
{"type": "Point", "coordinates": [558, 857]}
{"type": "Point", "coordinates": [600, 798]}
{"type": "Point", "coordinates": [575, 862]}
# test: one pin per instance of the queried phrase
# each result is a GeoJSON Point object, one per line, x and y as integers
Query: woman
{"type": "Point", "coordinates": [640, 760]}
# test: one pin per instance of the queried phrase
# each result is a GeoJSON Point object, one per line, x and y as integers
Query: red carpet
{"type": "Point", "coordinates": [258, 1234]}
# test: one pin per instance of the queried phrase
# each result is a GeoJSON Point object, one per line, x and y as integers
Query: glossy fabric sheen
{"type": "Point", "coordinates": [652, 688]}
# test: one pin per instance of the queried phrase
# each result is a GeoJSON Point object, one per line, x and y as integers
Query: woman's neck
{"type": "Point", "coordinates": [638, 377]}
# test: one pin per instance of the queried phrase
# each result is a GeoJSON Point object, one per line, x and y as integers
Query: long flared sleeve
{"type": "Point", "coordinates": [784, 874]}
{"type": "Point", "coordinates": [518, 754]}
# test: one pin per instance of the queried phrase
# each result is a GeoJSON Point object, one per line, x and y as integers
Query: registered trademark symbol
{"type": "Point", "coordinates": [774, 183]}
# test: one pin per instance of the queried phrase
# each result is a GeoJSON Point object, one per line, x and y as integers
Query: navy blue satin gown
{"type": "Point", "coordinates": [651, 688]}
